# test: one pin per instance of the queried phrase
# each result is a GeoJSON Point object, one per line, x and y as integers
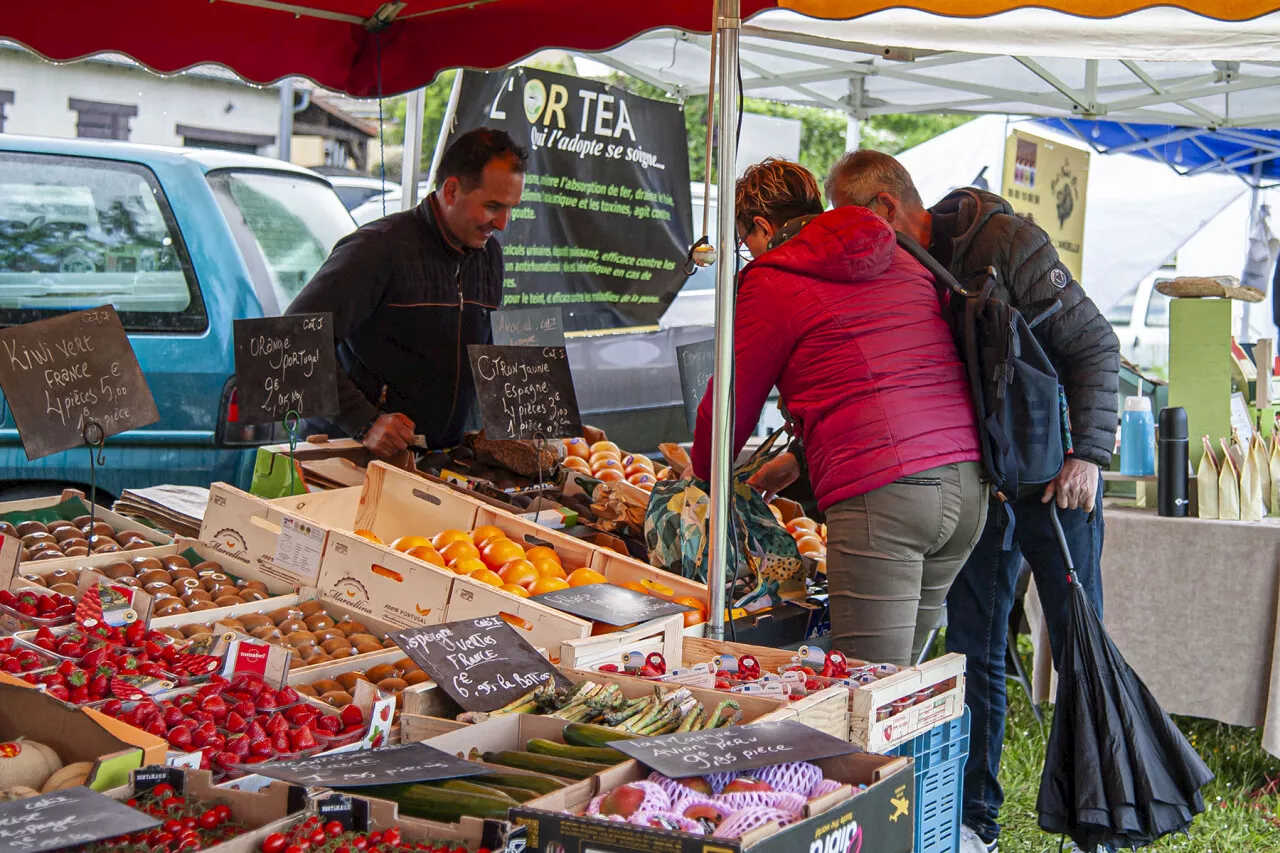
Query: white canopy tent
{"type": "Point", "coordinates": [1155, 66]}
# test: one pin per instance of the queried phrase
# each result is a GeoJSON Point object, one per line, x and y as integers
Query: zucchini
{"type": "Point", "coordinates": [538, 784]}
{"type": "Point", "coordinates": [520, 795]}
{"type": "Point", "coordinates": [594, 754]}
{"type": "Point", "coordinates": [439, 804]}
{"type": "Point", "coordinates": [584, 734]}
{"type": "Point", "coordinates": [464, 786]}
{"type": "Point", "coordinates": [565, 768]}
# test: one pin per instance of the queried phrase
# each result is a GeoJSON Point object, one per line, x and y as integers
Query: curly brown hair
{"type": "Point", "coordinates": [777, 190]}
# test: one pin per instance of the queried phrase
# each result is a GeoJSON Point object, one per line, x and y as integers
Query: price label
{"type": "Point", "coordinates": [525, 392]}
{"type": "Point", "coordinates": [737, 748]}
{"type": "Point", "coordinates": [410, 762]}
{"type": "Point", "coordinates": [285, 364]}
{"type": "Point", "coordinates": [65, 819]}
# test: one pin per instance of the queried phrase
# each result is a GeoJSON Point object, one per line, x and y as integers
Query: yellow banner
{"type": "Point", "coordinates": [1046, 181]}
{"type": "Point", "coordinates": [1222, 10]}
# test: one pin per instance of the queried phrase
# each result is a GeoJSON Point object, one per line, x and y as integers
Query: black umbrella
{"type": "Point", "coordinates": [1117, 771]}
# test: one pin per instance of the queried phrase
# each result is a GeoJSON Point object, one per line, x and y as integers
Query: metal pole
{"type": "Point", "coordinates": [722, 417]}
{"type": "Point", "coordinates": [853, 116]}
{"type": "Point", "coordinates": [411, 168]}
{"type": "Point", "coordinates": [1255, 195]}
{"type": "Point", "coordinates": [284, 145]}
{"type": "Point", "coordinates": [450, 111]}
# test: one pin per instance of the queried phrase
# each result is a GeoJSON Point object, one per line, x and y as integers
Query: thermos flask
{"type": "Point", "coordinates": [1173, 463]}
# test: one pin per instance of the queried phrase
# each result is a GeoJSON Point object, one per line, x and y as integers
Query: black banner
{"type": "Point", "coordinates": [603, 228]}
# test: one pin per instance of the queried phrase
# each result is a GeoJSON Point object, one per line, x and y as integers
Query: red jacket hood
{"type": "Point", "coordinates": [845, 244]}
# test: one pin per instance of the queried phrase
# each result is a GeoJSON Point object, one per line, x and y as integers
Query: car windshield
{"type": "Point", "coordinates": [1120, 313]}
{"type": "Point", "coordinates": [286, 224]}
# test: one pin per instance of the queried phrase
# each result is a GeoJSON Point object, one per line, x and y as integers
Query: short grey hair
{"type": "Point", "coordinates": [859, 176]}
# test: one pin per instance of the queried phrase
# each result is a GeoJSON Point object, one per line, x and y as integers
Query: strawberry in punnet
{"type": "Point", "coordinates": [302, 739]}
{"type": "Point", "coordinates": [155, 727]}
{"type": "Point", "coordinates": [216, 707]}
{"type": "Point", "coordinates": [262, 748]}
{"type": "Point", "coordinates": [173, 716]}
{"type": "Point", "coordinates": [287, 696]}
{"type": "Point", "coordinates": [266, 701]}
{"type": "Point", "coordinates": [227, 758]}
{"type": "Point", "coordinates": [59, 692]}
{"type": "Point", "coordinates": [329, 724]}
{"type": "Point", "coordinates": [352, 717]}
{"type": "Point", "coordinates": [256, 732]}
{"type": "Point", "coordinates": [203, 736]}
{"type": "Point", "coordinates": [276, 723]}
{"type": "Point", "coordinates": [133, 633]}
{"type": "Point", "coordinates": [280, 741]}
{"type": "Point", "coordinates": [95, 658]}
{"type": "Point", "coordinates": [245, 709]}
{"type": "Point", "coordinates": [249, 684]}
{"type": "Point", "coordinates": [238, 745]}
{"type": "Point", "coordinates": [207, 692]}
{"type": "Point", "coordinates": [98, 686]}
{"type": "Point", "coordinates": [112, 707]}
{"type": "Point", "coordinates": [180, 738]}
{"type": "Point", "coordinates": [235, 723]}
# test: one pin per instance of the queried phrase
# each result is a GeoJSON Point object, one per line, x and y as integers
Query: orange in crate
{"type": "Point", "coordinates": [520, 572]}
{"type": "Point", "coordinates": [538, 552]}
{"type": "Point", "coordinates": [484, 534]}
{"type": "Point", "coordinates": [584, 576]}
{"type": "Point", "coordinates": [427, 554]}
{"type": "Point", "coordinates": [456, 550]}
{"type": "Point", "coordinates": [486, 576]}
{"type": "Point", "coordinates": [548, 568]}
{"type": "Point", "coordinates": [443, 538]}
{"type": "Point", "coordinates": [515, 590]}
{"type": "Point", "coordinates": [467, 565]}
{"type": "Point", "coordinates": [547, 585]}
{"type": "Point", "coordinates": [498, 552]}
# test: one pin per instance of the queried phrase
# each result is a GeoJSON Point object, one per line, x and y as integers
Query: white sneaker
{"type": "Point", "coordinates": [971, 842]}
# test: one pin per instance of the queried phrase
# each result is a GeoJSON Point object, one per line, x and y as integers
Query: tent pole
{"type": "Point", "coordinates": [722, 418]}
{"type": "Point", "coordinates": [446, 126]}
{"type": "Point", "coordinates": [854, 116]}
{"type": "Point", "coordinates": [1255, 195]}
{"type": "Point", "coordinates": [411, 166]}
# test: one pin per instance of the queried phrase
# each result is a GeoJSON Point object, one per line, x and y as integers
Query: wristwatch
{"type": "Point", "coordinates": [364, 430]}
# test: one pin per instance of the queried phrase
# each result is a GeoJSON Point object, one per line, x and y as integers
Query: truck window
{"type": "Point", "coordinates": [1120, 313]}
{"type": "Point", "coordinates": [289, 221]}
{"type": "Point", "coordinates": [1158, 309]}
{"type": "Point", "coordinates": [77, 232]}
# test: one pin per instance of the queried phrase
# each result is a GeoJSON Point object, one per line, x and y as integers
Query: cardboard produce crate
{"type": "Point", "coordinates": [273, 808]}
{"type": "Point", "coordinates": [11, 546]}
{"type": "Point", "coordinates": [879, 819]}
{"type": "Point", "coordinates": [76, 734]}
{"type": "Point", "coordinates": [825, 710]}
{"type": "Point", "coordinates": [380, 815]}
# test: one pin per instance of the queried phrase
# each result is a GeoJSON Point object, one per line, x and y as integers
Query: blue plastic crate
{"type": "Point", "coordinates": [939, 755]}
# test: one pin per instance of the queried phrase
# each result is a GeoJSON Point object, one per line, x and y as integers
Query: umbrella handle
{"type": "Point", "coordinates": [1062, 542]}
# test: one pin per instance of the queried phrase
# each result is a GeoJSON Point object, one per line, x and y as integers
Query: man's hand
{"type": "Point", "coordinates": [775, 475]}
{"type": "Point", "coordinates": [389, 435]}
{"type": "Point", "coordinates": [1076, 485]}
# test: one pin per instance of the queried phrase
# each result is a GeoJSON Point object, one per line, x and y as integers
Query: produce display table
{"type": "Point", "coordinates": [1194, 607]}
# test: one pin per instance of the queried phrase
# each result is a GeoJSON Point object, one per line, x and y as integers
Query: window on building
{"type": "Point", "coordinates": [6, 98]}
{"type": "Point", "coordinates": [99, 120]}
{"type": "Point", "coordinates": [224, 140]}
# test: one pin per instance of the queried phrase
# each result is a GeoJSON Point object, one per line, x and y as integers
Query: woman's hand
{"type": "Point", "coordinates": [775, 475]}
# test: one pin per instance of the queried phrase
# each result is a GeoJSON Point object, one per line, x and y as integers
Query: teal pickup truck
{"type": "Point", "coordinates": [182, 242]}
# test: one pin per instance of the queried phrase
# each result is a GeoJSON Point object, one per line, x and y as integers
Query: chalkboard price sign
{"type": "Point", "coordinates": [528, 327]}
{"type": "Point", "coordinates": [285, 364]}
{"type": "Point", "coordinates": [482, 664]}
{"type": "Point", "coordinates": [696, 363]}
{"type": "Point", "coordinates": [410, 762]}
{"type": "Point", "coordinates": [525, 392]}
{"type": "Point", "coordinates": [69, 372]}
{"type": "Point", "coordinates": [739, 748]}
{"type": "Point", "coordinates": [65, 819]}
{"type": "Point", "coordinates": [612, 605]}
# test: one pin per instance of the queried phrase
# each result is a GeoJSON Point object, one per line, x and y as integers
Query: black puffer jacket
{"type": "Point", "coordinates": [973, 230]}
{"type": "Point", "coordinates": [405, 305]}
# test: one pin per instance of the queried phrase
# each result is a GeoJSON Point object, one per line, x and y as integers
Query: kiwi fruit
{"type": "Point", "coordinates": [330, 646]}
{"type": "Point", "coordinates": [307, 690]}
{"type": "Point", "coordinates": [225, 589]}
{"type": "Point", "coordinates": [342, 653]}
{"type": "Point", "coordinates": [50, 554]}
{"type": "Point", "coordinates": [253, 621]}
{"type": "Point", "coordinates": [311, 653]}
{"type": "Point", "coordinates": [77, 551]}
{"type": "Point", "coordinates": [176, 561]}
{"type": "Point", "coordinates": [337, 698]}
{"type": "Point", "coordinates": [26, 528]}
{"type": "Point", "coordinates": [77, 542]}
{"type": "Point", "coordinates": [349, 627]}
{"type": "Point", "coordinates": [115, 571]}
{"type": "Point", "coordinates": [381, 671]}
{"type": "Point", "coordinates": [168, 607]}
{"type": "Point", "coordinates": [254, 595]}
{"type": "Point", "coordinates": [43, 545]}
{"type": "Point", "coordinates": [58, 524]}
{"type": "Point", "coordinates": [192, 631]}
{"type": "Point", "coordinates": [300, 639]}
{"type": "Point", "coordinates": [326, 634]}
{"type": "Point", "coordinates": [195, 593]}
{"type": "Point", "coordinates": [284, 613]}
{"type": "Point", "coordinates": [415, 676]}
{"type": "Point", "coordinates": [326, 685]}
{"type": "Point", "coordinates": [258, 585]}
{"type": "Point", "coordinates": [190, 585]}
{"type": "Point", "coordinates": [291, 625]}
{"type": "Point", "coordinates": [405, 665]}
{"type": "Point", "coordinates": [175, 633]}
{"type": "Point", "coordinates": [179, 573]}
{"type": "Point", "coordinates": [99, 528]}
{"type": "Point", "coordinates": [228, 600]}
{"type": "Point", "coordinates": [81, 520]}
{"type": "Point", "coordinates": [388, 643]}
{"type": "Point", "coordinates": [367, 648]}
{"type": "Point", "coordinates": [295, 662]}
{"type": "Point", "coordinates": [157, 588]}
{"type": "Point", "coordinates": [125, 537]}
{"type": "Point", "coordinates": [319, 622]}
{"type": "Point", "coordinates": [154, 576]}
{"type": "Point", "coordinates": [357, 639]}
{"type": "Point", "coordinates": [208, 567]}
{"type": "Point", "coordinates": [349, 680]}
{"type": "Point", "coordinates": [145, 564]}
{"type": "Point", "coordinates": [311, 608]}
{"type": "Point", "coordinates": [62, 534]}
{"type": "Point", "coordinates": [270, 633]}
{"type": "Point", "coordinates": [230, 623]}
{"type": "Point", "coordinates": [7, 529]}
{"type": "Point", "coordinates": [392, 685]}
{"type": "Point", "coordinates": [35, 579]}
{"type": "Point", "coordinates": [129, 580]}
{"type": "Point", "coordinates": [198, 606]}
{"type": "Point", "coordinates": [106, 548]}
{"type": "Point", "coordinates": [68, 589]}
{"type": "Point", "coordinates": [137, 545]}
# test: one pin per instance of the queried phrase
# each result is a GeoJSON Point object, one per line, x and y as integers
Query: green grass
{"type": "Point", "coordinates": [1239, 817]}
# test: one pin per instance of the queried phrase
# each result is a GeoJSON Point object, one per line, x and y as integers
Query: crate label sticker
{"type": "Point", "coordinates": [300, 547]}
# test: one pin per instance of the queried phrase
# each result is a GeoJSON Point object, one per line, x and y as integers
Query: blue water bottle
{"type": "Point", "coordinates": [1137, 438]}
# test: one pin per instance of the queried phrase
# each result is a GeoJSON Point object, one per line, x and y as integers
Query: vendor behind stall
{"type": "Point", "coordinates": [410, 291]}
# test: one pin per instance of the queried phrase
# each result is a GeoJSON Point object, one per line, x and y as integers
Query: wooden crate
{"type": "Point", "coordinates": [880, 735]}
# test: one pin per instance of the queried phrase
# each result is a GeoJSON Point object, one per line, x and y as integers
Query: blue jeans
{"type": "Point", "coordinates": [978, 608]}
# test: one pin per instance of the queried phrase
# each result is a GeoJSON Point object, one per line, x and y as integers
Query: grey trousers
{"type": "Point", "coordinates": [892, 555]}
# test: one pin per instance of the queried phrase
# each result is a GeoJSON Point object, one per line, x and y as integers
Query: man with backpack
{"type": "Point", "coordinates": [969, 232]}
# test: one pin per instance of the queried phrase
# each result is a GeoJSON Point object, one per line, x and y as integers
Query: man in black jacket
{"type": "Point", "coordinates": [410, 291]}
{"type": "Point", "coordinates": [967, 232]}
